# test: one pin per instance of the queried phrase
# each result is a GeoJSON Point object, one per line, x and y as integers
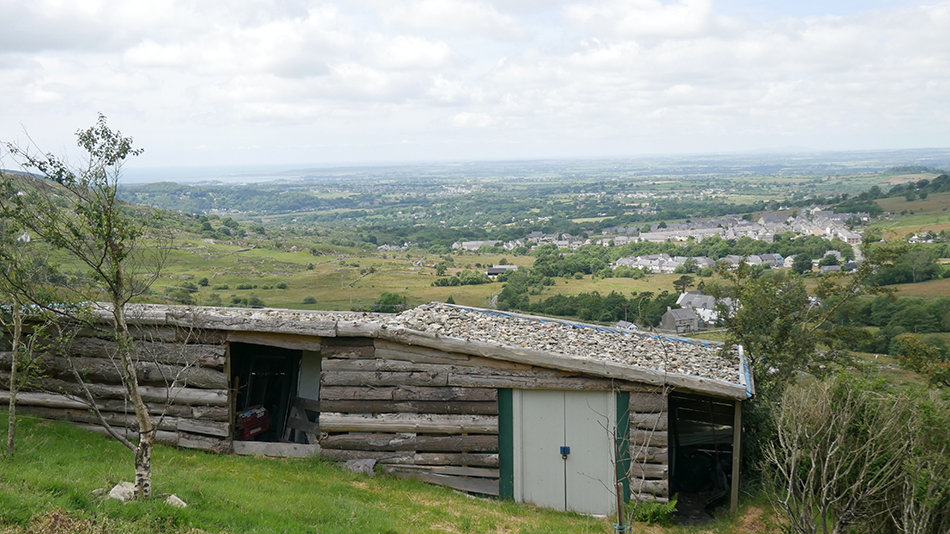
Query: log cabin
{"type": "Point", "coordinates": [541, 410]}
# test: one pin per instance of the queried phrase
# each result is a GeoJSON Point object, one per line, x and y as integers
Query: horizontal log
{"type": "Point", "coordinates": [284, 341]}
{"type": "Point", "coordinates": [336, 378]}
{"type": "Point", "coordinates": [57, 400]}
{"type": "Point", "coordinates": [108, 371]}
{"type": "Point", "coordinates": [648, 471]}
{"type": "Point", "coordinates": [175, 353]}
{"type": "Point", "coordinates": [640, 453]}
{"type": "Point", "coordinates": [343, 352]}
{"type": "Point", "coordinates": [357, 329]}
{"type": "Point", "coordinates": [659, 488]}
{"type": "Point", "coordinates": [408, 393]}
{"type": "Point", "coordinates": [475, 472]}
{"type": "Point", "coordinates": [379, 364]}
{"type": "Point", "coordinates": [418, 423]}
{"type": "Point", "coordinates": [204, 319]}
{"type": "Point", "coordinates": [379, 406]}
{"type": "Point", "coordinates": [659, 438]}
{"type": "Point", "coordinates": [210, 428]}
{"type": "Point", "coordinates": [396, 351]}
{"type": "Point", "coordinates": [45, 400]}
{"type": "Point", "coordinates": [544, 382]}
{"type": "Point", "coordinates": [649, 421]}
{"type": "Point", "coordinates": [408, 458]}
{"type": "Point", "coordinates": [203, 443]}
{"type": "Point", "coordinates": [161, 436]}
{"type": "Point", "coordinates": [646, 497]}
{"type": "Point", "coordinates": [410, 442]}
{"type": "Point", "coordinates": [274, 450]}
{"type": "Point", "coordinates": [482, 486]}
{"type": "Point", "coordinates": [647, 403]}
{"type": "Point", "coordinates": [181, 396]}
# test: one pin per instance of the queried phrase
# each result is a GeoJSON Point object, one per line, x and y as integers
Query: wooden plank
{"type": "Point", "coordinates": [639, 486]}
{"type": "Point", "coordinates": [481, 486]}
{"type": "Point", "coordinates": [647, 402]}
{"type": "Point", "coordinates": [649, 438]}
{"type": "Point", "coordinates": [397, 351]}
{"type": "Point", "coordinates": [707, 437]}
{"type": "Point", "coordinates": [56, 400]}
{"type": "Point", "coordinates": [210, 428]}
{"type": "Point", "coordinates": [640, 453]}
{"type": "Point", "coordinates": [646, 497]}
{"type": "Point", "coordinates": [408, 458]}
{"type": "Point", "coordinates": [410, 442]}
{"type": "Point", "coordinates": [736, 456]}
{"type": "Point", "coordinates": [106, 370]}
{"type": "Point", "coordinates": [191, 441]}
{"type": "Point", "coordinates": [275, 450]}
{"type": "Point", "coordinates": [378, 364]}
{"type": "Point", "coordinates": [475, 472]}
{"type": "Point", "coordinates": [543, 382]}
{"type": "Point", "coordinates": [174, 353]}
{"type": "Point", "coordinates": [357, 353]}
{"type": "Point", "coordinates": [381, 406]}
{"type": "Point", "coordinates": [408, 393]}
{"type": "Point", "coordinates": [182, 396]}
{"type": "Point", "coordinates": [338, 378]}
{"type": "Point", "coordinates": [303, 425]}
{"type": "Point", "coordinates": [302, 403]}
{"type": "Point", "coordinates": [367, 329]}
{"type": "Point", "coordinates": [649, 471]}
{"type": "Point", "coordinates": [205, 319]}
{"type": "Point", "coordinates": [418, 423]}
{"type": "Point", "coordinates": [649, 421]}
{"type": "Point", "coordinates": [271, 339]}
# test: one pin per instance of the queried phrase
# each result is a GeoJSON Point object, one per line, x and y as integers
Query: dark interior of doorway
{"type": "Point", "coordinates": [701, 466]}
{"type": "Point", "coordinates": [267, 377]}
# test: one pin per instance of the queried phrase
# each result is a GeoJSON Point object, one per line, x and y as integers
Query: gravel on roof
{"type": "Point", "coordinates": [673, 355]}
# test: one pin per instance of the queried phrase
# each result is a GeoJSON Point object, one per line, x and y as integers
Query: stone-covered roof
{"type": "Point", "coordinates": [697, 365]}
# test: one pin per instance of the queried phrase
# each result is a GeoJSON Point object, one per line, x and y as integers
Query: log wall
{"type": "Point", "coordinates": [648, 475]}
{"type": "Point", "coordinates": [433, 414]}
{"type": "Point", "coordinates": [181, 375]}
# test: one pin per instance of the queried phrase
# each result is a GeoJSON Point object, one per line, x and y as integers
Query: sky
{"type": "Point", "coordinates": [299, 82]}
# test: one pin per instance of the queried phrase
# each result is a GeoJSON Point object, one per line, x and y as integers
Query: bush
{"type": "Point", "coordinates": [281, 285]}
{"type": "Point", "coordinates": [651, 513]}
{"type": "Point", "coordinates": [203, 282]}
{"type": "Point", "coordinates": [221, 287]}
{"type": "Point", "coordinates": [309, 300]}
{"type": "Point", "coordinates": [245, 286]}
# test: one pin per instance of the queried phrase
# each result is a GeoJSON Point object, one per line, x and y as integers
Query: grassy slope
{"type": "Point", "coordinates": [48, 487]}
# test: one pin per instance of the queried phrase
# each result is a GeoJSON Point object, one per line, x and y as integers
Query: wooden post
{"type": "Point", "coordinates": [736, 454]}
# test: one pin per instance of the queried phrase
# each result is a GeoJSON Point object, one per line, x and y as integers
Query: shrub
{"type": "Point", "coordinates": [221, 287]}
{"type": "Point", "coordinates": [245, 286]}
{"type": "Point", "coordinates": [281, 285]}
{"type": "Point", "coordinates": [203, 282]}
{"type": "Point", "coordinates": [309, 300]}
{"type": "Point", "coordinates": [651, 513]}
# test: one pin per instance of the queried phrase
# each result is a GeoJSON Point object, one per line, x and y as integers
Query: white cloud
{"type": "Point", "coordinates": [453, 18]}
{"type": "Point", "coordinates": [471, 120]}
{"type": "Point", "coordinates": [568, 78]}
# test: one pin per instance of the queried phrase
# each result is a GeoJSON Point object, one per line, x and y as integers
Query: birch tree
{"type": "Point", "coordinates": [76, 209]}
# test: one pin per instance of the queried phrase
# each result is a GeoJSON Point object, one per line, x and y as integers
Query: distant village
{"type": "Point", "coordinates": [811, 222]}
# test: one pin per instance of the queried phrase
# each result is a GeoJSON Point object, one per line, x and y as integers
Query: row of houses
{"type": "Point", "coordinates": [666, 264]}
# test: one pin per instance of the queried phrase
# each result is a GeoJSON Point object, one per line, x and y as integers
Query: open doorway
{"type": "Point", "coordinates": [265, 382]}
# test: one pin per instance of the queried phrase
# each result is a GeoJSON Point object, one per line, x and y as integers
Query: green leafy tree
{"type": "Point", "coordinates": [924, 359]}
{"type": "Point", "coordinates": [77, 210]}
{"type": "Point", "coordinates": [683, 283]}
